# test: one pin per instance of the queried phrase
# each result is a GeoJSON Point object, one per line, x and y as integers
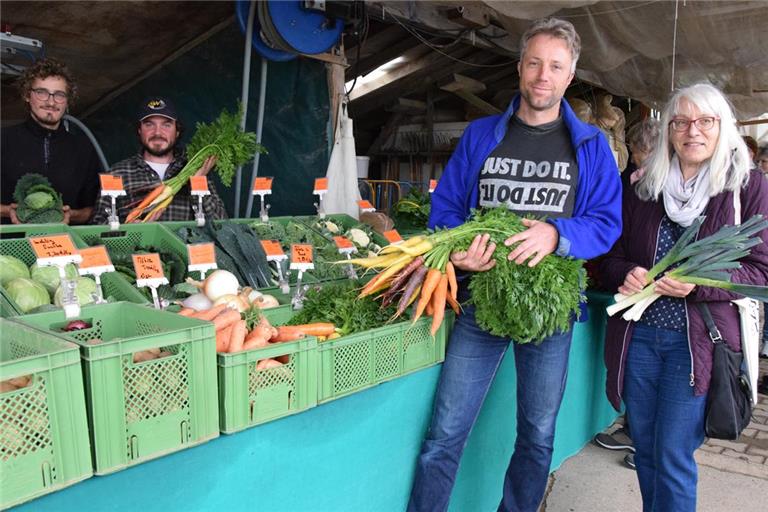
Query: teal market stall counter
{"type": "Point", "coordinates": [353, 454]}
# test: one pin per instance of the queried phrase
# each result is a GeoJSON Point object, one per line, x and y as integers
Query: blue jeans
{"type": "Point", "coordinates": [471, 362]}
{"type": "Point", "coordinates": [667, 419]}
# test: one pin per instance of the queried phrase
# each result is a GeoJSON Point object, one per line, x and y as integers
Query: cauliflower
{"type": "Point", "coordinates": [359, 237]}
{"type": "Point", "coordinates": [330, 226]}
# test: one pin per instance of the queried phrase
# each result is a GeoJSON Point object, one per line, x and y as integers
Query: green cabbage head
{"type": "Point", "coordinates": [11, 268]}
{"type": "Point", "coordinates": [27, 294]}
{"type": "Point", "coordinates": [85, 291]}
{"type": "Point", "coordinates": [49, 276]}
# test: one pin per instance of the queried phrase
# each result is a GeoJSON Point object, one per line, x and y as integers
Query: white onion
{"type": "Point", "coordinates": [232, 301]}
{"type": "Point", "coordinates": [220, 283]}
{"type": "Point", "coordinates": [198, 302]}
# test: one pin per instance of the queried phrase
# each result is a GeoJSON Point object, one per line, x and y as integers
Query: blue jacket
{"type": "Point", "coordinates": [596, 221]}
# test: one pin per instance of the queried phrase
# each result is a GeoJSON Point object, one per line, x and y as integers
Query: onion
{"type": "Point", "coordinates": [198, 302]}
{"type": "Point", "coordinates": [232, 301]}
{"type": "Point", "coordinates": [76, 325]}
{"type": "Point", "coordinates": [266, 301]}
{"type": "Point", "coordinates": [218, 284]}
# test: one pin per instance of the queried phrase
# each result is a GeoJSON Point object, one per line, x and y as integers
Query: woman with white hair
{"type": "Point", "coordinates": [660, 366]}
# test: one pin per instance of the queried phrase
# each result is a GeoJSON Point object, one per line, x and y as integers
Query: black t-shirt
{"type": "Point", "coordinates": [67, 159]}
{"type": "Point", "coordinates": [532, 171]}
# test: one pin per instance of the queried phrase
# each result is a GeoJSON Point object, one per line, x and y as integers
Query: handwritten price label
{"type": "Point", "coordinates": [301, 257]}
{"type": "Point", "coordinates": [111, 183]}
{"type": "Point", "coordinates": [432, 185]}
{"type": "Point", "coordinates": [262, 186]}
{"type": "Point", "coordinates": [148, 267]}
{"type": "Point", "coordinates": [273, 250]}
{"type": "Point", "coordinates": [321, 186]}
{"type": "Point", "coordinates": [53, 246]}
{"type": "Point", "coordinates": [95, 257]}
{"type": "Point", "coordinates": [393, 236]}
{"type": "Point", "coordinates": [202, 254]}
{"type": "Point", "coordinates": [199, 185]}
{"type": "Point", "coordinates": [366, 206]}
{"type": "Point", "coordinates": [344, 244]}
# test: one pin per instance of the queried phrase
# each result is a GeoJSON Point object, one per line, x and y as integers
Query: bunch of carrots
{"type": "Point", "coordinates": [416, 270]}
{"type": "Point", "coordinates": [233, 335]}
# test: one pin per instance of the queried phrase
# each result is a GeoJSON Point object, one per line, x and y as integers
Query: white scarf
{"type": "Point", "coordinates": [685, 200]}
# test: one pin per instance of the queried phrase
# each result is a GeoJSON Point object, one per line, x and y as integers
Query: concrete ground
{"type": "Point", "coordinates": [732, 475]}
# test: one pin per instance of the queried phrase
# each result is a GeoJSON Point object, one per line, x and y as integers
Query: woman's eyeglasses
{"type": "Point", "coordinates": [703, 123]}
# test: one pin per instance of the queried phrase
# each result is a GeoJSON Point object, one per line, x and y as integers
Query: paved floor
{"type": "Point", "coordinates": [732, 475]}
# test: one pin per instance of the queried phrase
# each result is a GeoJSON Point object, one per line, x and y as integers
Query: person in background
{"type": "Point", "coordinates": [762, 160]}
{"type": "Point", "coordinates": [642, 138]}
{"type": "Point", "coordinates": [160, 158]}
{"type": "Point", "coordinates": [538, 130]}
{"type": "Point", "coordinates": [752, 147]}
{"type": "Point", "coordinates": [660, 366]}
{"type": "Point", "coordinates": [43, 145]}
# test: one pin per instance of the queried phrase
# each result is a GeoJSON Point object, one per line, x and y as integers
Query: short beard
{"type": "Point", "coordinates": [46, 122]}
{"type": "Point", "coordinates": [555, 101]}
{"type": "Point", "coordinates": [158, 154]}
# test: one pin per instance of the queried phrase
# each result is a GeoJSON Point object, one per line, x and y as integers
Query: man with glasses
{"type": "Point", "coordinates": [43, 146]}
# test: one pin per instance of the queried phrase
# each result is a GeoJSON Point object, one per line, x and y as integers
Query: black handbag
{"type": "Point", "coordinates": [729, 402]}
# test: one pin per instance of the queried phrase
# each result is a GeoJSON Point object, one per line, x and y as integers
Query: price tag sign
{"type": "Point", "coordinates": [432, 185]}
{"type": "Point", "coordinates": [111, 185]}
{"type": "Point", "coordinates": [301, 257]}
{"type": "Point", "coordinates": [199, 185]}
{"type": "Point", "coordinates": [54, 250]}
{"type": "Point", "coordinates": [96, 261]}
{"type": "Point", "coordinates": [393, 237]}
{"type": "Point", "coordinates": [202, 257]}
{"type": "Point", "coordinates": [149, 270]}
{"type": "Point", "coordinates": [273, 250]}
{"type": "Point", "coordinates": [262, 186]}
{"type": "Point", "coordinates": [366, 206]}
{"type": "Point", "coordinates": [321, 186]}
{"type": "Point", "coordinates": [344, 245]}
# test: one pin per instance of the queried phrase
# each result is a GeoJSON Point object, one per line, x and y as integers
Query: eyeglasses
{"type": "Point", "coordinates": [703, 123]}
{"type": "Point", "coordinates": [43, 95]}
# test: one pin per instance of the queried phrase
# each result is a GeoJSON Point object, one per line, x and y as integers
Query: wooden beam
{"type": "Point", "coordinates": [457, 82]}
{"type": "Point", "coordinates": [477, 102]}
{"type": "Point", "coordinates": [371, 62]}
{"type": "Point", "coordinates": [407, 106]}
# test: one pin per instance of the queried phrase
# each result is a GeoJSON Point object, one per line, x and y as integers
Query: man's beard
{"type": "Point", "coordinates": [160, 153]}
{"type": "Point", "coordinates": [47, 120]}
{"type": "Point", "coordinates": [539, 107]}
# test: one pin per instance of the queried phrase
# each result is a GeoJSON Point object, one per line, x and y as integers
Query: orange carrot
{"type": "Point", "coordinates": [314, 329]}
{"type": "Point", "coordinates": [453, 286]}
{"type": "Point", "coordinates": [237, 337]}
{"type": "Point", "coordinates": [454, 304]}
{"type": "Point", "coordinates": [227, 317]}
{"type": "Point", "coordinates": [427, 288]}
{"type": "Point", "coordinates": [254, 343]}
{"type": "Point", "coordinates": [439, 303]}
{"type": "Point", "coordinates": [186, 311]}
{"type": "Point", "coordinates": [209, 314]}
{"type": "Point", "coordinates": [136, 212]}
{"type": "Point", "coordinates": [283, 336]}
{"type": "Point", "coordinates": [430, 309]}
{"type": "Point", "coordinates": [222, 338]}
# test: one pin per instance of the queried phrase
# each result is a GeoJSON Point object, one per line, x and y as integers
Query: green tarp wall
{"type": "Point", "coordinates": [207, 79]}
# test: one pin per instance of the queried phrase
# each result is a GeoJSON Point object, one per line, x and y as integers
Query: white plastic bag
{"type": "Point", "coordinates": [343, 192]}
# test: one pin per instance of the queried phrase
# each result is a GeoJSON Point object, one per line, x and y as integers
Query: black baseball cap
{"type": "Point", "coordinates": [157, 106]}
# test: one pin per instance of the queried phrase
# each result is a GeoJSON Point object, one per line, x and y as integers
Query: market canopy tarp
{"type": "Point", "coordinates": [628, 46]}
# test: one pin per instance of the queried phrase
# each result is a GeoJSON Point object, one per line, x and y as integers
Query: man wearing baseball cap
{"type": "Point", "coordinates": [159, 159]}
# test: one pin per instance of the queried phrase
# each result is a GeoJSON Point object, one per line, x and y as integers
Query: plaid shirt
{"type": "Point", "coordinates": [139, 179]}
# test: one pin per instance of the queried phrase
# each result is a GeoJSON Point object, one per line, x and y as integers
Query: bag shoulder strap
{"type": "Point", "coordinates": [714, 333]}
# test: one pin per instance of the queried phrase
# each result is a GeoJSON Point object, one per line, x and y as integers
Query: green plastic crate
{"type": "Point", "coordinates": [130, 236]}
{"type": "Point", "coordinates": [140, 411]}
{"type": "Point", "coordinates": [43, 426]}
{"type": "Point", "coordinates": [13, 242]}
{"type": "Point", "coordinates": [248, 396]}
{"type": "Point", "coordinates": [7, 309]}
{"type": "Point", "coordinates": [358, 361]}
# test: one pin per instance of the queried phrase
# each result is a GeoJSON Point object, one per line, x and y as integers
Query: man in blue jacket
{"type": "Point", "coordinates": [536, 158]}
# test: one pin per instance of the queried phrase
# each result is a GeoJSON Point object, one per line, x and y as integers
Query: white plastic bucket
{"type": "Point", "coordinates": [362, 166]}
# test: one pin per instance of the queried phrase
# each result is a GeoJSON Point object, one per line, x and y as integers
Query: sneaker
{"type": "Point", "coordinates": [619, 440]}
{"type": "Point", "coordinates": [629, 461]}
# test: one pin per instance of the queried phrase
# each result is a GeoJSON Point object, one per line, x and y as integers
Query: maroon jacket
{"type": "Point", "coordinates": [637, 246]}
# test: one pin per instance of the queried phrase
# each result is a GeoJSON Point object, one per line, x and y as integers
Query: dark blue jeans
{"type": "Point", "coordinates": [667, 419]}
{"type": "Point", "coordinates": [471, 362]}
